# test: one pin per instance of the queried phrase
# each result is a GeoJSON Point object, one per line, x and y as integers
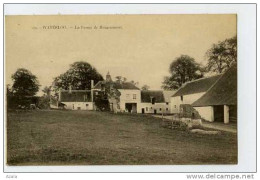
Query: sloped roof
{"type": "Point", "coordinates": [197, 86]}
{"type": "Point", "coordinates": [123, 85]}
{"type": "Point", "coordinates": [75, 96]}
{"type": "Point", "coordinates": [223, 92]}
{"type": "Point", "coordinates": [146, 96]}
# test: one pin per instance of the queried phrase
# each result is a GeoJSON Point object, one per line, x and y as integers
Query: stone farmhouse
{"type": "Point", "coordinates": [134, 100]}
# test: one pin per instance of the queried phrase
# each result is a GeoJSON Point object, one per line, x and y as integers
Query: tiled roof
{"type": "Point", "coordinates": [75, 96]}
{"type": "Point", "coordinates": [223, 92]}
{"type": "Point", "coordinates": [148, 94]}
{"type": "Point", "coordinates": [197, 86]}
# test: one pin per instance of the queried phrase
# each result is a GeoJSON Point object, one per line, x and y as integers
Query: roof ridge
{"type": "Point", "coordinates": [75, 90]}
{"type": "Point", "coordinates": [195, 80]}
{"type": "Point", "coordinates": [153, 90]}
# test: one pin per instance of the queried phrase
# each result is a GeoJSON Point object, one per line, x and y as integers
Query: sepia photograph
{"type": "Point", "coordinates": [121, 89]}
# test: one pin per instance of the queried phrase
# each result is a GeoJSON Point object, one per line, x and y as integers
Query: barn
{"type": "Point", "coordinates": [221, 98]}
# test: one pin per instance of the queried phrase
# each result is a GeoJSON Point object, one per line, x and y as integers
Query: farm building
{"type": "Point", "coordinates": [221, 98]}
{"type": "Point", "coordinates": [76, 99]}
{"type": "Point", "coordinates": [191, 91]}
{"type": "Point", "coordinates": [122, 97]}
{"type": "Point", "coordinates": [132, 99]}
{"type": "Point", "coordinates": [155, 102]}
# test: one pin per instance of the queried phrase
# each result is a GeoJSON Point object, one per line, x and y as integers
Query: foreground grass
{"type": "Point", "coordinates": [99, 138]}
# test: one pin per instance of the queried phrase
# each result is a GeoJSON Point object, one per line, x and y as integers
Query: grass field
{"type": "Point", "coordinates": [100, 138]}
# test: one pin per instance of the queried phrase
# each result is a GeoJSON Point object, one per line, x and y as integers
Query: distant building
{"type": "Point", "coordinates": [76, 99]}
{"type": "Point", "coordinates": [126, 98]}
{"type": "Point", "coordinates": [129, 95]}
{"type": "Point", "coordinates": [133, 100]}
{"type": "Point", "coordinates": [155, 102]}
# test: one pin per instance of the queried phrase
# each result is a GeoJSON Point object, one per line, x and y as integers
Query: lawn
{"type": "Point", "coordinates": [57, 137]}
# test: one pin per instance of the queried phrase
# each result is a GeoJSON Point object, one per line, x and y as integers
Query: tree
{"type": "Point", "coordinates": [145, 87]}
{"type": "Point", "coordinates": [24, 83]}
{"type": "Point", "coordinates": [134, 83]}
{"type": "Point", "coordinates": [47, 91]}
{"type": "Point", "coordinates": [78, 76]}
{"type": "Point", "coordinates": [120, 79]}
{"type": "Point", "coordinates": [220, 56]}
{"type": "Point", "coordinates": [44, 101]}
{"type": "Point", "coordinates": [182, 70]}
{"type": "Point", "coordinates": [109, 95]}
{"type": "Point", "coordinates": [23, 91]}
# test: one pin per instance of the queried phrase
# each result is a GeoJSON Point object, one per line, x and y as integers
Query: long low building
{"type": "Point", "coordinates": [221, 99]}
{"type": "Point", "coordinates": [76, 99]}
{"type": "Point", "coordinates": [192, 91]}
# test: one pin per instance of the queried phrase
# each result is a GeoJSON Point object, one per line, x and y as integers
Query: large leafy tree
{"type": "Point", "coordinates": [79, 76]}
{"type": "Point", "coordinates": [24, 83]}
{"type": "Point", "coordinates": [182, 70]}
{"type": "Point", "coordinates": [221, 55]}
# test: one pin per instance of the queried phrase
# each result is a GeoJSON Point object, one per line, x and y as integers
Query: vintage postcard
{"type": "Point", "coordinates": [121, 89]}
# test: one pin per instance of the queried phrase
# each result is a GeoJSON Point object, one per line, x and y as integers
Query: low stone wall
{"type": "Point", "coordinates": [190, 123]}
{"type": "Point", "coordinates": [184, 123]}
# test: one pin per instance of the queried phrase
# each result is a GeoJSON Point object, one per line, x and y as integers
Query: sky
{"type": "Point", "coordinates": [138, 47]}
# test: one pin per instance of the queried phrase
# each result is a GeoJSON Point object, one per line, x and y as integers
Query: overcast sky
{"type": "Point", "coordinates": [141, 48]}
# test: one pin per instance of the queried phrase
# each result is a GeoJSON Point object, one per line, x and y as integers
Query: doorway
{"type": "Point", "coordinates": [131, 107]}
{"type": "Point", "coordinates": [219, 113]}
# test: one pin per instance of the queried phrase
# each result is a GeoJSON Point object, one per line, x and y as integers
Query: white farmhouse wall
{"type": "Point", "coordinates": [127, 96]}
{"type": "Point", "coordinates": [207, 113]}
{"type": "Point", "coordinates": [159, 107]}
{"type": "Point", "coordinates": [81, 105]}
{"type": "Point", "coordinates": [187, 99]}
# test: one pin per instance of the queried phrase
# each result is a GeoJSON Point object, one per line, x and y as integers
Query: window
{"type": "Point", "coordinates": [72, 106]}
{"type": "Point", "coordinates": [167, 103]}
{"type": "Point", "coordinates": [167, 109]}
{"type": "Point", "coordinates": [127, 95]}
{"type": "Point", "coordinates": [160, 109]}
{"type": "Point", "coordinates": [181, 98]}
{"type": "Point", "coordinates": [174, 106]}
{"type": "Point", "coordinates": [86, 105]}
{"type": "Point", "coordinates": [134, 96]}
{"type": "Point", "coordinates": [146, 108]}
{"type": "Point", "coordinates": [153, 100]}
{"type": "Point", "coordinates": [151, 107]}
